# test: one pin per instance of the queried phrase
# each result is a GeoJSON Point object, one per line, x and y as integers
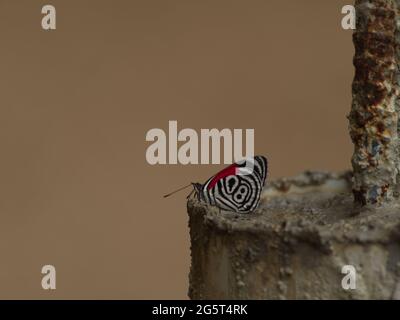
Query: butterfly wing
{"type": "Point", "coordinates": [232, 190]}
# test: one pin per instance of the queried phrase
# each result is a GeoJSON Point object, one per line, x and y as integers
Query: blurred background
{"type": "Point", "coordinates": [76, 103]}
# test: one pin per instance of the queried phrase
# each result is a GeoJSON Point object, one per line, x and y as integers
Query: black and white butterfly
{"type": "Point", "coordinates": [236, 188]}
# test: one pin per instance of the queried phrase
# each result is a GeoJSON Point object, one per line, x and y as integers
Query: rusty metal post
{"type": "Point", "coordinates": [397, 105]}
{"type": "Point", "coordinates": [373, 117]}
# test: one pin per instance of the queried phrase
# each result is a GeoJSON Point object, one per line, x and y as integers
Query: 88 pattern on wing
{"type": "Point", "coordinates": [236, 188]}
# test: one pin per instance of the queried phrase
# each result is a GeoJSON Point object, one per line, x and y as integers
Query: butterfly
{"type": "Point", "coordinates": [236, 188]}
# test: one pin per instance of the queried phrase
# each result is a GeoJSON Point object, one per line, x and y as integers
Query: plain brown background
{"type": "Point", "coordinates": [76, 103]}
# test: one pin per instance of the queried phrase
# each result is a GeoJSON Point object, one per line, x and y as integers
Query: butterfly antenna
{"type": "Point", "coordinates": [180, 189]}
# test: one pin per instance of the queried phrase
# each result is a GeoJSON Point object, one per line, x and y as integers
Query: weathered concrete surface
{"type": "Point", "coordinates": [374, 114]}
{"type": "Point", "coordinates": [295, 245]}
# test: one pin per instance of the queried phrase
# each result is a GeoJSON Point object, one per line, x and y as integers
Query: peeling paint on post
{"type": "Point", "coordinates": [373, 117]}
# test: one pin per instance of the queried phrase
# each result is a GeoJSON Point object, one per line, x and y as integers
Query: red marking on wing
{"type": "Point", "coordinates": [229, 171]}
